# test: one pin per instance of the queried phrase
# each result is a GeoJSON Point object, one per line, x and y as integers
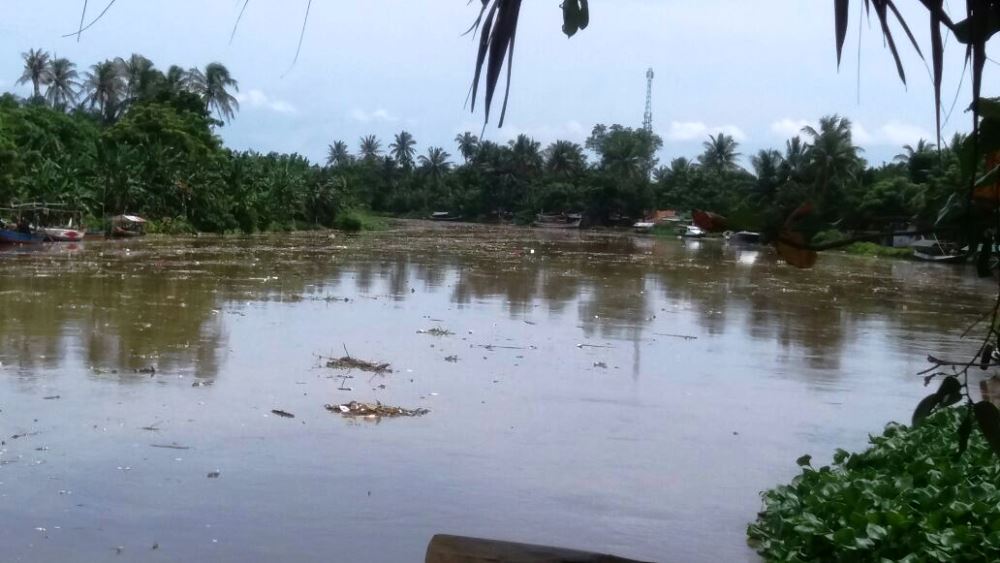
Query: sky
{"type": "Point", "coordinates": [758, 70]}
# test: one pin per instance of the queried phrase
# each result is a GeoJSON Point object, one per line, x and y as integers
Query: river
{"type": "Point", "coordinates": [620, 394]}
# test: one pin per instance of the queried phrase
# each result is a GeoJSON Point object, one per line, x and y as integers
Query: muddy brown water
{"type": "Point", "coordinates": [576, 414]}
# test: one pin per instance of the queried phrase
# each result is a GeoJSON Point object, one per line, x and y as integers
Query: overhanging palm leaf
{"type": "Point", "coordinates": [497, 28]}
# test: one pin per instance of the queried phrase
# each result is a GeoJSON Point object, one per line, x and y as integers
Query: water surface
{"type": "Point", "coordinates": [615, 393]}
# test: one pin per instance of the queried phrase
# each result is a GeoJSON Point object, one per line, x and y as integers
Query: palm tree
{"type": "Point", "coordinates": [919, 160]}
{"type": "Point", "coordinates": [909, 151]}
{"type": "Point", "coordinates": [36, 70]}
{"type": "Point", "coordinates": [176, 79]}
{"type": "Point", "coordinates": [435, 164]}
{"type": "Point", "coordinates": [338, 155]}
{"type": "Point", "coordinates": [370, 149]}
{"type": "Point", "coordinates": [468, 144]}
{"type": "Point", "coordinates": [62, 88]}
{"type": "Point", "coordinates": [213, 86]}
{"type": "Point", "coordinates": [720, 153]}
{"type": "Point", "coordinates": [564, 158]}
{"type": "Point", "coordinates": [767, 166]}
{"type": "Point", "coordinates": [794, 163]}
{"type": "Point", "coordinates": [402, 149]}
{"type": "Point", "coordinates": [526, 155]}
{"type": "Point", "coordinates": [136, 71]}
{"type": "Point", "coordinates": [104, 88]}
{"type": "Point", "coordinates": [766, 163]}
{"type": "Point", "coordinates": [831, 156]}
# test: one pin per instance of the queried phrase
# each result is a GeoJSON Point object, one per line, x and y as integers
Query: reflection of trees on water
{"type": "Point", "coordinates": [164, 303]}
{"type": "Point", "coordinates": [120, 322]}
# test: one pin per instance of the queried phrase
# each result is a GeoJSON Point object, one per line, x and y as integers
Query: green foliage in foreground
{"type": "Point", "coordinates": [906, 498]}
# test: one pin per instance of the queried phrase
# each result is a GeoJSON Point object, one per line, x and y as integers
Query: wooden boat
{"type": "Point", "coordinates": [444, 216]}
{"type": "Point", "coordinates": [941, 252]}
{"type": "Point", "coordinates": [46, 222]}
{"type": "Point", "coordinates": [127, 226]}
{"type": "Point", "coordinates": [693, 231]}
{"type": "Point", "coordinates": [745, 237]}
{"type": "Point", "coordinates": [566, 225]}
{"type": "Point", "coordinates": [558, 220]}
{"type": "Point", "coordinates": [453, 549]}
{"type": "Point", "coordinates": [550, 219]}
{"type": "Point", "coordinates": [14, 236]}
{"type": "Point", "coordinates": [958, 258]}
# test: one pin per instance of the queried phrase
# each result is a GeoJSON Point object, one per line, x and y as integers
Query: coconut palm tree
{"type": "Point", "coordinates": [767, 166]}
{"type": "Point", "coordinates": [564, 158]}
{"type": "Point", "coordinates": [63, 84]}
{"type": "Point", "coordinates": [370, 148]}
{"type": "Point", "coordinates": [468, 144]}
{"type": "Point", "coordinates": [831, 157]}
{"type": "Point", "coordinates": [525, 155]}
{"type": "Point", "coordinates": [36, 70]}
{"type": "Point", "coordinates": [909, 151]}
{"type": "Point", "coordinates": [137, 72]}
{"type": "Point", "coordinates": [104, 88]}
{"type": "Point", "coordinates": [435, 164]}
{"type": "Point", "coordinates": [766, 163]}
{"type": "Point", "coordinates": [176, 79]}
{"type": "Point", "coordinates": [402, 149]}
{"type": "Point", "coordinates": [213, 86]}
{"type": "Point", "coordinates": [720, 153]}
{"type": "Point", "coordinates": [338, 155]}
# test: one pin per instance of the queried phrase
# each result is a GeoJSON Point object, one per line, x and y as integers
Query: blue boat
{"type": "Point", "coordinates": [10, 236]}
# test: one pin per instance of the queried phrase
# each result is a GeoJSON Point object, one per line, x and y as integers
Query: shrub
{"type": "Point", "coordinates": [171, 226]}
{"type": "Point", "coordinates": [872, 249]}
{"type": "Point", "coordinates": [828, 236]}
{"type": "Point", "coordinates": [355, 220]}
{"type": "Point", "coordinates": [908, 497]}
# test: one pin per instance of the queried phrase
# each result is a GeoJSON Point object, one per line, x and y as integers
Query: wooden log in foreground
{"type": "Point", "coordinates": [455, 549]}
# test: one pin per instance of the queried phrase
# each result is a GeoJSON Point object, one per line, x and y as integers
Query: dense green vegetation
{"type": "Point", "coordinates": [129, 137]}
{"type": "Point", "coordinates": [906, 498]}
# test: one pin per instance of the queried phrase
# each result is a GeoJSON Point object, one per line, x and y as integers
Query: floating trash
{"type": "Point", "coordinates": [348, 362]}
{"type": "Point", "coordinates": [436, 331]}
{"type": "Point", "coordinates": [376, 410]}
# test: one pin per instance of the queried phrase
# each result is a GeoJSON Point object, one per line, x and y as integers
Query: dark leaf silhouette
{"type": "Point", "coordinates": [964, 431]}
{"type": "Point", "coordinates": [924, 408]}
{"type": "Point", "coordinates": [988, 418]}
{"type": "Point", "coordinates": [950, 391]}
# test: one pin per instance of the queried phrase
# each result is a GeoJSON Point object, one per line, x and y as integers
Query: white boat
{"type": "Point", "coordinates": [59, 234]}
{"type": "Point", "coordinates": [643, 226]}
{"type": "Point", "coordinates": [693, 231]}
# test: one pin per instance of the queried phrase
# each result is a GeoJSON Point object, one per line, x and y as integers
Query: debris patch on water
{"type": "Point", "coordinates": [348, 362]}
{"type": "Point", "coordinates": [374, 410]}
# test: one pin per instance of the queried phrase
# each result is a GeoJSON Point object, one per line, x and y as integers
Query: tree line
{"type": "Point", "coordinates": [128, 137]}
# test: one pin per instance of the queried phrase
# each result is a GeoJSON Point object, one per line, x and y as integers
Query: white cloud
{"type": "Point", "coordinates": [860, 135]}
{"type": "Point", "coordinates": [892, 133]}
{"type": "Point", "coordinates": [899, 133]}
{"type": "Point", "coordinates": [259, 100]}
{"type": "Point", "coordinates": [699, 131]}
{"type": "Point", "coordinates": [788, 127]}
{"type": "Point", "coordinates": [380, 114]}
